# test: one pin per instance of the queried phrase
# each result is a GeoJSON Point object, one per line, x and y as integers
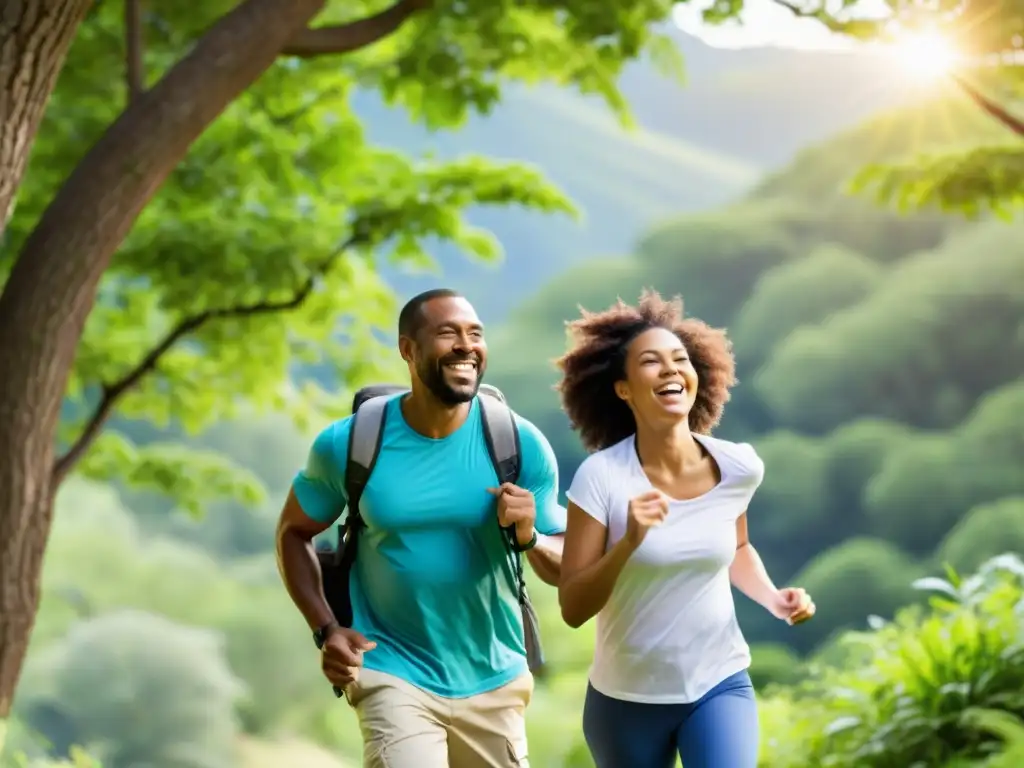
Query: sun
{"type": "Point", "coordinates": [925, 55]}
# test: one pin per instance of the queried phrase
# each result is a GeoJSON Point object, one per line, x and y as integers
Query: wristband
{"type": "Point", "coordinates": [321, 633]}
{"type": "Point", "coordinates": [528, 545]}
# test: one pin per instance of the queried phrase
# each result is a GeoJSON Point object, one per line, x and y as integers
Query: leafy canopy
{"type": "Point", "coordinates": [263, 248]}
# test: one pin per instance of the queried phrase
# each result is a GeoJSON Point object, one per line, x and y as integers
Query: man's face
{"type": "Point", "coordinates": [449, 354]}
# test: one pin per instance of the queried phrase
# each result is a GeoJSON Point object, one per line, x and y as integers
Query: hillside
{"type": "Point", "coordinates": [880, 362]}
{"type": "Point", "coordinates": [696, 145]}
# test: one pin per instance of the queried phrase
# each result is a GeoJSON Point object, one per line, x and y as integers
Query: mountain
{"type": "Point", "coordinates": [696, 146]}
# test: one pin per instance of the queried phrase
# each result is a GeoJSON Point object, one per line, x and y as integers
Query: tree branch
{"type": "Point", "coordinates": [134, 77]}
{"type": "Point", "coordinates": [1010, 121]}
{"type": "Point", "coordinates": [990, 107]}
{"type": "Point", "coordinates": [345, 38]}
{"type": "Point", "coordinates": [856, 28]}
{"type": "Point", "coordinates": [112, 392]}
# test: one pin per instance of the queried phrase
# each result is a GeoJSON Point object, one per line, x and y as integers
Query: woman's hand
{"type": "Point", "coordinates": [793, 605]}
{"type": "Point", "coordinates": [646, 511]}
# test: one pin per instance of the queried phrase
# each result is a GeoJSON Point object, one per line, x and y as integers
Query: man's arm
{"type": "Point", "coordinates": [546, 558]}
{"type": "Point", "coordinates": [315, 502]}
{"type": "Point", "coordinates": [298, 563]}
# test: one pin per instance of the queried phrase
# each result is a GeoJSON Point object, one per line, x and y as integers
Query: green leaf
{"type": "Point", "coordinates": [988, 178]}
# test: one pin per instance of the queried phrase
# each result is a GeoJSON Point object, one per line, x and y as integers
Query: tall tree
{"type": "Point", "coordinates": [166, 300]}
{"type": "Point", "coordinates": [34, 39]}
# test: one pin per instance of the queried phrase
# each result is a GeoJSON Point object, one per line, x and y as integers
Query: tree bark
{"type": "Point", "coordinates": [34, 39]}
{"type": "Point", "coordinates": [344, 38]}
{"type": "Point", "coordinates": [52, 287]}
{"type": "Point", "coordinates": [26, 510]}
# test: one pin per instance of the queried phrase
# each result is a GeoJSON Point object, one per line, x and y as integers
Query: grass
{"type": "Point", "coordinates": [259, 753]}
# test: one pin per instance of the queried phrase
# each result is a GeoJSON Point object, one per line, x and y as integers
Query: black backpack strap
{"type": "Point", "coordinates": [364, 441]}
{"type": "Point", "coordinates": [502, 436]}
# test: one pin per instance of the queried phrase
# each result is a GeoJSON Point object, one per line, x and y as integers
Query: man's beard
{"type": "Point", "coordinates": [431, 373]}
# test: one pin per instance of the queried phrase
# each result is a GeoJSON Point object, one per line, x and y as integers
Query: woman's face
{"type": "Point", "coordinates": [661, 383]}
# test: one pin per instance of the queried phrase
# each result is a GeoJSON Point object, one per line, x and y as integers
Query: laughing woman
{"type": "Point", "coordinates": [657, 533]}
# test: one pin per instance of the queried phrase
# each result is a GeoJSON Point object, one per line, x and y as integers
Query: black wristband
{"type": "Point", "coordinates": [528, 545]}
{"type": "Point", "coordinates": [320, 635]}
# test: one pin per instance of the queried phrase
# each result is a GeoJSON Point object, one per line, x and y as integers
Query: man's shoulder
{"type": "Point", "coordinates": [332, 440]}
{"type": "Point", "coordinates": [527, 429]}
{"type": "Point", "coordinates": [532, 442]}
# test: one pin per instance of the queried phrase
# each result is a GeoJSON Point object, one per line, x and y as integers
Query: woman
{"type": "Point", "coordinates": [657, 530]}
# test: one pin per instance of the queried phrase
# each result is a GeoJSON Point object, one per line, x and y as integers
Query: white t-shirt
{"type": "Point", "coordinates": [668, 633]}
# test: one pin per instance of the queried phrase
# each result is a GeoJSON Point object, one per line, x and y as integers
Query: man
{"type": "Point", "coordinates": [435, 663]}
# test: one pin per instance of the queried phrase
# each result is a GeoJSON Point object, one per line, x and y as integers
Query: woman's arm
{"type": "Point", "coordinates": [748, 573]}
{"type": "Point", "coordinates": [588, 572]}
{"type": "Point", "coordinates": [749, 576]}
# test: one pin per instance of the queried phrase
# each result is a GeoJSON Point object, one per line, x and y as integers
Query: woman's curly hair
{"type": "Point", "coordinates": [597, 359]}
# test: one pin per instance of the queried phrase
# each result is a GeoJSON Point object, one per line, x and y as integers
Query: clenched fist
{"type": "Point", "coordinates": [516, 506]}
{"type": "Point", "coordinates": [793, 605]}
{"type": "Point", "coordinates": [645, 511]}
{"type": "Point", "coordinates": [342, 656]}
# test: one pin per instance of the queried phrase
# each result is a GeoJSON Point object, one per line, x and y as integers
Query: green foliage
{"type": "Point", "coordinates": [879, 360]}
{"type": "Point", "coordinates": [970, 180]}
{"type": "Point", "coordinates": [269, 239]}
{"type": "Point", "coordinates": [916, 375]}
{"type": "Point", "coordinates": [100, 563]}
{"type": "Point", "coordinates": [774, 664]}
{"type": "Point", "coordinates": [859, 574]}
{"type": "Point", "coordinates": [801, 293]}
{"type": "Point", "coordinates": [77, 758]}
{"type": "Point", "coordinates": [263, 248]}
{"type": "Point", "coordinates": [916, 697]}
{"type": "Point", "coordinates": [985, 179]}
{"type": "Point", "coordinates": [1008, 728]}
{"type": "Point", "coordinates": [167, 694]}
{"type": "Point", "coordinates": [724, 259]}
{"type": "Point", "coordinates": [976, 463]}
{"type": "Point", "coordinates": [192, 478]}
{"type": "Point", "coordinates": [986, 531]}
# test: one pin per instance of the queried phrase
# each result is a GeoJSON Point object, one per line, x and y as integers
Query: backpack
{"type": "Point", "coordinates": [369, 409]}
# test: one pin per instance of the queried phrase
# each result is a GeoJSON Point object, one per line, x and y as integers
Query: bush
{"type": "Point", "coordinates": [136, 688]}
{"type": "Point", "coordinates": [937, 689]}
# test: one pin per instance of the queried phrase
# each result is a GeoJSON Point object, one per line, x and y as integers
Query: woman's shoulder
{"type": "Point", "coordinates": [614, 456]}
{"type": "Point", "coordinates": [741, 459]}
{"type": "Point", "coordinates": [605, 462]}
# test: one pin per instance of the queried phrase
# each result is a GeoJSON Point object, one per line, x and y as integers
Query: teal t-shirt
{"type": "Point", "coordinates": [433, 584]}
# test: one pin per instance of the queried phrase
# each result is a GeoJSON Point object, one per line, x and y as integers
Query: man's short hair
{"type": "Point", "coordinates": [410, 319]}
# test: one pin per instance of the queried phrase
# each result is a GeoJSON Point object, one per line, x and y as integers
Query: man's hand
{"type": "Point", "coordinates": [516, 507]}
{"type": "Point", "coordinates": [793, 605]}
{"type": "Point", "coordinates": [342, 655]}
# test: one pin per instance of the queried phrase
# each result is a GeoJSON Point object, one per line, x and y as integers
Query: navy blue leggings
{"type": "Point", "coordinates": [719, 730]}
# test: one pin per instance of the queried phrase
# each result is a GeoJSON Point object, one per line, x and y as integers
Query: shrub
{"type": "Point", "coordinates": [914, 701]}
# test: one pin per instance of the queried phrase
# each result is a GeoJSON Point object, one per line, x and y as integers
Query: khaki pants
{"type": "Point", "coordinates": [406, 727]}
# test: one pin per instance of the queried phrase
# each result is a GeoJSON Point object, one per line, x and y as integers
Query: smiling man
{"type": "Point", "coordinates": [435, 660]}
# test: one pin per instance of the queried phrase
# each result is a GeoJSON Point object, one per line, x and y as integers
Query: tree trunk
{"type": "Point", "coordinates": [26, 508]}
{"type": "Point", "coordinates": [34, 39]}
{"type": "Point", "coordinates": [52, 286]}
